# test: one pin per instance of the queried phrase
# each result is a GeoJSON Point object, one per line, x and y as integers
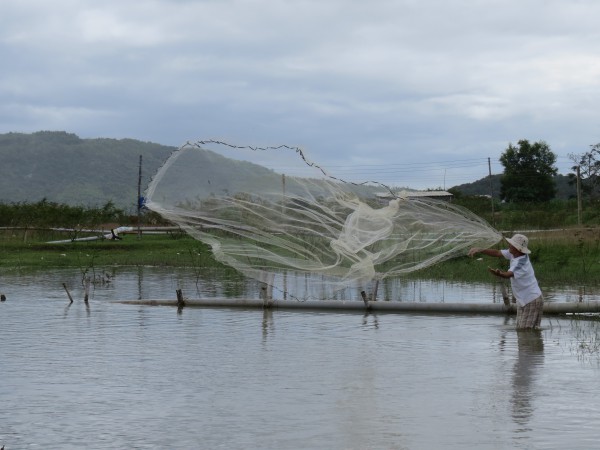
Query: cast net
{"type": "Point", "coordinates": [271, 211]}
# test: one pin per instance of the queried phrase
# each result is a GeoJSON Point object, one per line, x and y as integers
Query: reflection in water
{"type": "Point", "coordinates": [530, 357]}
{"type": "Point", "coordinates": [230, 378]}
{"type": "Point", "coordinates": [140, 276]}
{"type": "Point", "coordinates": [586, 333]}
{"type": "Point", "coordinates": [159, 283]}
{"type": "Point", "coordinates": [373, 316]}
{"type": "Point", "coordinates": [267, 323]}
{"type": "Point", "coordinates": [87, 309]}
{"type": "Point", "coordinates": [67, 309]}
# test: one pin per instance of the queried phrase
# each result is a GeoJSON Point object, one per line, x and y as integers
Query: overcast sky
{"type": "Point", "coordinates": [416, 93]}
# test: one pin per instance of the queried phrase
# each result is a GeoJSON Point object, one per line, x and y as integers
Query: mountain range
{"type": "Point", "coordinates": [61, 167]}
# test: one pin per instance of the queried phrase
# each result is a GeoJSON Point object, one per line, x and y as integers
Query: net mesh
{"type": "Point", "coordinates": [268, 211]}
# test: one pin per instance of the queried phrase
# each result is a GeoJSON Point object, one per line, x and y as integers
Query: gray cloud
{"type": "Point", "coordinates": [416, 93]}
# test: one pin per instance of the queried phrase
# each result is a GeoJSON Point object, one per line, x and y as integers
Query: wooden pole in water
{"type": "Point", "coordinates": [68, 293]}
{"type": "Point", "coordinates": [363, 294]}
{"type": "Point", "coordinates": [180, 301]}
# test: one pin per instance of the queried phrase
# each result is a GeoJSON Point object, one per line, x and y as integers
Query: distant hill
{"type": "Point", "coordinates": [482, 187]}
{"type": "Point", "coordinates": [63, 168]}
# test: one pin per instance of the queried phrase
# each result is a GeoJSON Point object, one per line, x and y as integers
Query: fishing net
{"type": "Point", "coordinates": [271, 211]}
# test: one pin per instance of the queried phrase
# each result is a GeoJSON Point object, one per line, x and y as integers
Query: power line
{"type": "Point", "coordinates": [448, 163]}
{"type": "Point", "coordinates": [402, 167]}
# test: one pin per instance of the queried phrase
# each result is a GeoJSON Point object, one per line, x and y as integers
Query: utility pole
{"type": "Point", "coordinates": [491, 191]}
{"type": "Point", "coordinates": [578, 196]}
{"type": "Point", "coordinates": [283, 193]}
{"type": "Point", "coordinates": [139, 200]}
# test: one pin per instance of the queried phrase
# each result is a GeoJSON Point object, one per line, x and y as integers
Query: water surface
{"type": "Point", "coordinates": [108, 375]}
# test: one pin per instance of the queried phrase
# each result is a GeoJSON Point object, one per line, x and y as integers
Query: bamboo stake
{"type": "Point", "coordinates": [180, 301]}
{"type": "Point", "coordinates": [68, 293]}
{"type": "Point", "coordinates": [363, 294]}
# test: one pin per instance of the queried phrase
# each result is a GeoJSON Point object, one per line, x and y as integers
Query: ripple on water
{"type": "Point", "coordinates": [109, 375]}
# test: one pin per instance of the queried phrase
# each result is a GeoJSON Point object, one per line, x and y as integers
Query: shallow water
{"type": "Point", "coordinates": [109, 375]}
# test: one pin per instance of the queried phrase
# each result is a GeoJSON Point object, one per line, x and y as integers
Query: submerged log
{"type": "Point", "coordinates": [381, 306]}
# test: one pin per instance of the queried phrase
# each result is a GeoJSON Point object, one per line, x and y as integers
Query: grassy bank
{"type": "Point", "coordinates": [31, 250]}
{"type": "Point", "coordinates": [568, 257]}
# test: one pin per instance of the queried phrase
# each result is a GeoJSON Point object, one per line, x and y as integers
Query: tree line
{"type": "Point", "coordinates": [529, 173]}
{"type": "Point", "coordinates": [528, 179]}
{"type": "Point", "coordinates": [52, 214]}
{"type": "Point", "coordinates": [47, 214]}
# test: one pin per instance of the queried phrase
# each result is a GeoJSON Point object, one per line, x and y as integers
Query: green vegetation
{"type": "Point", "coordinates": [566, 187]}
{"type": "Point", "coordinates": [561, 253]}
{"type": "Point", "coordinates": [21, 249]}
{"type": "Point", "coordinates": [58, 172]}
{"type": "Point", "coordinates": [559, 257]}
{"type": "Point", "coordinates": [555, 214]}
{"type": "Point", "coordinates": [528, 173]}
{"type": "Point", "coordinates": [588, 166]}
{"type": "Point", "coordinates": [50, 214]}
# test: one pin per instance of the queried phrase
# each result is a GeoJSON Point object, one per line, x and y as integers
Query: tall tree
{"type": "Point", "coordinates": [528, 172]}
{"type": "Point", "coordinates": [589, 170]}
